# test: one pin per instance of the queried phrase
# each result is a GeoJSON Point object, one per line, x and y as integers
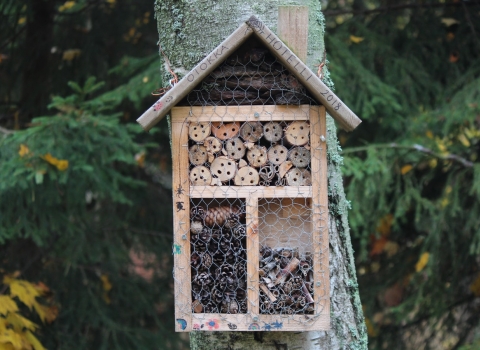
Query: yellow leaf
{"type": "Point", "coordinates": [406, 168]}
{"type": "Point", "coordinates": [23, 150]}
{"type": "Point", "coordinates": [23, 290]}
{"type": "Point", "coordinates": [60, 164]}
{"type": "Point", "coordinates": [46, 313]}
{"type": "Point", "coordinates": [433, 163]}
{"type": "Point", "coordinates": [449, 21]}
{"type": "Point", "coordinates": [6, 347]}
{"type": "Point", "coordinates": [10, 336]}
{"type": "Point", "coordinates": [106, 285]}
{"type": "Point", "coordinates": [19, 322]}
{"type": "Point", "coordinates": [422, 262]}
{"type": "Point", "coordinates": [429, 134]}
{"type": "Point", "coordinates": [22, 20]}
{"type": "Point", "coordinates": [34, 341]}
{"type": "Point", "coordinates": [356, 39]}
{"type": "Point", "coordinates": [7, 304]}
{"type": "Point", "coordinates": [69, 55]}
{"type": "Point", "coordinates": [475, 287]}
{"type": "Point", "coordinates": [463, 139]}
{"type": "Point", "coordinates": [67, 5]}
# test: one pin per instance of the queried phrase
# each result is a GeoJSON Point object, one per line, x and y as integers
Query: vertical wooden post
{"type": "Point", "coordinates": [181, 227]}
{"type": "Point", "coordinates": [293, 28]}
{"type": "Point", "coordinates": [253, 249]}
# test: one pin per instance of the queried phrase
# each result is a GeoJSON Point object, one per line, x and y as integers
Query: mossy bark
{"type": "Point", "coordinates": [189, 30]}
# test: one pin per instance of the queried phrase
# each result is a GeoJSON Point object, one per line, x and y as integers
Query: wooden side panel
{"type": "Point", "coordinates": [318, 135]}
{"type": "Point", "coordinates": [181, 228]}
{"type": "Point", "coordinates": [252, 256]}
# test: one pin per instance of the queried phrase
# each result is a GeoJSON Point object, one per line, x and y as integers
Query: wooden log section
{"type": "Point", "coordinates": [242, 163]}
{"type": "Point", "coordinates": [251, 131]}
{"type": "Point", "coordinates": [299, 177]}
{"type": "Point", "coordinates": [212, 144]}
{"type": "Point", "coordinates": [277, 154]}
{"type": "Point", "coordinates": [246, 176]}
{"type": "Point", "coordinates": [299, 156]}
{"type": "Point", "coordinates": [257, 156]}
{"type": "Point", "coordinates": [223, 168]}
{"type": "Point", "coordinates": [200, 176]}
{"type": "Point", "coordinates": [272, 132]}
{"type": "Point", "coordinates": [199, 131]}
{"type": "Point", "coordinates": [284, 273]}
{"type": "Point", "coordinates": [297, 133]}
{"type": "Point", "coordinates": [267, 292]}
{"type": "Point", "coordinates": [197, 154]}
{"type": "Point", "coordinates": [284, 168]}
{"type": "Point", "coordinates": [225, 131]}
{"type": "Point", "coordinates": [235, 148]}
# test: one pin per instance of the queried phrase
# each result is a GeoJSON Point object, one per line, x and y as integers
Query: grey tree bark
{"type": "Point", "coordinates": [189, 30]}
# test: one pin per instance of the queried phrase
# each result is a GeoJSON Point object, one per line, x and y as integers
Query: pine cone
{"type": "Point", "coordinates": [219, 215]}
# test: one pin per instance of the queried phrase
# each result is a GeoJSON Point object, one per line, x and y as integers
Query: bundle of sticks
{"type": "Point", "coordinates": [286, 282]}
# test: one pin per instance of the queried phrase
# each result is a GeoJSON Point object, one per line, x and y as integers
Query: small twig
{"type": "Point", "coordinates": [397, 8]}
{"type": "Point", "coordinates": [6, 131]}
{"type": "Point", "coordinates": [466, 163]}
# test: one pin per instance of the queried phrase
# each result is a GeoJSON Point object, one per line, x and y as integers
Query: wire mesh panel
{"type": "Point", "coordinates": [250, 194]}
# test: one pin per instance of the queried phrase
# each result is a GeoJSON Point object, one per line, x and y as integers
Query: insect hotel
{"type": "Point", "coordinates": [248, 136]}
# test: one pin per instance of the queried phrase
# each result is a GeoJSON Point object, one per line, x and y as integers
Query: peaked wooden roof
{"type": "Point", "coordinates": [336, 108]}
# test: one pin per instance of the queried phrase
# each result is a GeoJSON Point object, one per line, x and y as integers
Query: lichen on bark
{"type": "Point", "coordinates": [188, 31]}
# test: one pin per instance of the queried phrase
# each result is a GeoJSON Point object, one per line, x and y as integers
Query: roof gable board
{"type": "Point", "coordinates": [336, 108]}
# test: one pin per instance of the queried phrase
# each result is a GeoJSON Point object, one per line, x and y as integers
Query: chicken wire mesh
{"type": "Point", "coordinates": [256, 230]}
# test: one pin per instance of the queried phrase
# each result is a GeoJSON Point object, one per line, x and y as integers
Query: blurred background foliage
{"type": "Point", "coordinates": [85, 196]}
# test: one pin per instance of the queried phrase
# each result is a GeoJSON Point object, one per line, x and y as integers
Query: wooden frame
{"type": "Point", "coordinates": [183, 192]}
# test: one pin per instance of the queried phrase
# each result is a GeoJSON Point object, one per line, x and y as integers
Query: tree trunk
{"type": "Point", "coordinates": [188, 32]}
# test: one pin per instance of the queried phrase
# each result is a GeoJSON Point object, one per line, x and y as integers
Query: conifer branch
{"type": "Point", "coordinates": [416, 147]}
{"type": "Point", "coordinates": [398, 7]}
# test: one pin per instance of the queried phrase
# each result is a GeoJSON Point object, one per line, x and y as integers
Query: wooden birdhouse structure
{"type": "Point", "coordinates": [250, 187]}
